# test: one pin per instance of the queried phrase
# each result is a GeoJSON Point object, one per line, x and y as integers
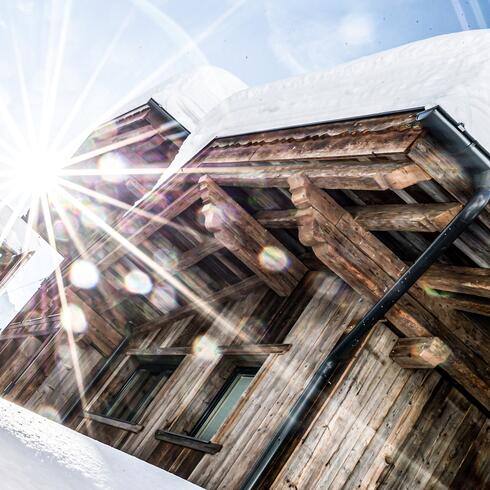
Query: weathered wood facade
{"type": "Point", "coordinates": [263, 252]}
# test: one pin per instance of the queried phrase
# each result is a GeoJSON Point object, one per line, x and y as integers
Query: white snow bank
{"type": "Point", "coordinates": [452, 71]}
{"type": "Point", "coordinates": [190, 95]}
{"type": "Point", "coordinates": [38, 454]}
{"type": "Point", "coordinates": [20, 288]}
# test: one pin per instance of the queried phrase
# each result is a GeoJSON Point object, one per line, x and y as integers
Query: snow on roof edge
{"type": "Point", "coordinates": [452, 71]}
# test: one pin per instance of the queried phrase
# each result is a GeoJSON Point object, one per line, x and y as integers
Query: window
{"type": "Point", "coordinates": [224, 402]}
{"type": "Point", "coordinates": [139, 390]}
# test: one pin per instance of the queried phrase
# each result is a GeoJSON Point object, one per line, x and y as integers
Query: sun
{"type": "Point", "coordinates": [35, 171]}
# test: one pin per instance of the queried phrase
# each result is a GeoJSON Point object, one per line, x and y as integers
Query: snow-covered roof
{"type": "Point", "coordinates": [452, 71]}
{"type": "Point", "coordinates": [39, 454]}
{"type": "Point", "coordinates": [190, 95]}
{"type": "Point", "coordinates": [20, 288]}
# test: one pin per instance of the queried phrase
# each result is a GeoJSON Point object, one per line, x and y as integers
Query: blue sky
{"type": "Point", "coordinates": [78, 61]}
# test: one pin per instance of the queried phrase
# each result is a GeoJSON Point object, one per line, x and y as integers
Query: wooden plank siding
{"type": "Point", "coordinates": [346, 207]}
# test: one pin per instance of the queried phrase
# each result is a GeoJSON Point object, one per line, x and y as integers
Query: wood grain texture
{"type": "Point", "coordinates": [250, 242]}
{"type": "Point", "coordinates": [376, 176]}
{"type": "Point", "coordinates": [370, 268]}
{"type": "Point", "coordinates": [420, 352]}
{"type": "Point", "coordinates": [388, 217]}
{"type": "Point", "coordinates": [464, 280]}
{"type": "Point", "coordinates": [118, 424]}
{"type": "Point", "coordinates": [188, 442]}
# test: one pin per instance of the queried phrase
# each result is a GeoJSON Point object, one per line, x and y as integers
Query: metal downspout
{"type": "Point", "coordinates": [346, 347]}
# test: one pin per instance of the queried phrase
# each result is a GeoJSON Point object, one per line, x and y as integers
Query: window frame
{"type": "Point", "coordinates": [169, 366]}
{"type": "Point", "coordinates": [219, 397]}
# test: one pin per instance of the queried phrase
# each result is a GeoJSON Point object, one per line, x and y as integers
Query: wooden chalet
{"type": "Point", "coordinates": [263, 253]}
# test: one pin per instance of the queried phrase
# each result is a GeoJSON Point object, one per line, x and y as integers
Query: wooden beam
{"type": "Point", "coordinates": [370, 268]}
{"type": "Point", "coordinates": [281, 218]}
{"type": "Point", "coordinates": [107, 130]}
{"type": "Point", "coordinates": [168, 213]}
{"type": "Point", "coordinates": [420, 352]}
{"type": "Point", "coordinates": [230, 292]}
{"type": "Point", "coordinates": [405, 217]}
{"type": "Point", "coordinates": [444, 167]}
{"type": "Point", "coordinates": [195, 255]}
{"type": "Point", "coordinates": [226, 350]}
{"type": "Point", "coordinates": [472, 304]}
{"type": "Point", "coordinates": [389, 217]}
{"type": "Point", "coordinates": [118, 424]}
{"type": "Point", "coordinates": [249, 241]}
{"type": "Point", "coordinates": [362, 176]}
{"type": "Point", "coordinates": [384, 135]}
{"type": "Point", "coordinates": [100, 333]}
{"type": "Point", "coordinates": [188, 442]}
{"type": "Point", "coordinates": [464, 280]}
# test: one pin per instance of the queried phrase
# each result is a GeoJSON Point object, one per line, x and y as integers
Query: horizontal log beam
{"type": "Point", "coordinates": [384, 135]}
{"type": "Point", "coordinates": [389, 217]}
{"type": "Point", "coordinates": [405, 217]}
{"type": "Point", "coordinates": [464, 280]}
{"type": "Point", "coordinates": [249, 241]}
{"type": "Point", "coordinates": [471, 304]}
{"type": "Point", "coordinates": [230, 292]}
{"type": "Point", "coordinates": [118, 424]}
{"type": "Point", "coordinates": [361, 176]}
{"type": "Point", "coordinates": [188, 442]}
{"type": "Point", "coordinates": [420, 353]}
{"type": "Point", "coordinates": [225, 350]}
{"type": "Point", "coordinates": [370, 268]}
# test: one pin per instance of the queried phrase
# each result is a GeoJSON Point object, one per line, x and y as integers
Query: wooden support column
{"type": "Point", "coordinates": [420, 352]}
{"type": "Point", "coordinates": [250, 242]}
{"type": "Point", "coordinates": [370, 268]}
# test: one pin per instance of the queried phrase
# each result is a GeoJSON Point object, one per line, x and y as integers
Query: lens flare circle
{"type": "Point", "coordinates": [273, 259]}
{"type": "Point", "coordinates": [138, 282]}
{"type": "Point", "coordinates": [84, 274]}
{"type": "Point", "coordinates": [205, 348]}
{"type": "Point", "coordinates": [110, 166]}
{"type": "Point", "coordinates": [73, 319]}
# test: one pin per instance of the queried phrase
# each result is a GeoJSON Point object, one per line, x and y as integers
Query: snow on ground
{"type": "Point", "coordinates": [20, 288]}
{"type": "Point", "coordinates": [452, 71]}
{"type": "Point", "coordinates": [38, 454]}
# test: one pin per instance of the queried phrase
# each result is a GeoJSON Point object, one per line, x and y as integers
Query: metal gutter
{"type": "Point", "coordinates": [476, 162]}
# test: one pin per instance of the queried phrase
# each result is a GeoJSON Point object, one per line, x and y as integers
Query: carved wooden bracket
{"type": "Point", "coordinates": [370, 268]}
{"type": "Point", "coordinates": [248, 240]}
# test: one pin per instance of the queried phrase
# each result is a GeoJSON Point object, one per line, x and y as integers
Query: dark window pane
{"type": "Point", "coordinates": [223, 404]}
{"type": "Point", "coordinates": [137, 393]}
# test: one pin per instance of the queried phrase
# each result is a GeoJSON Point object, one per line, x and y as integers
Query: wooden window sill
{"type": "Point", "coordinates": [188, 442]}
{"type": "Point", "coordinates": [118, 424]}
